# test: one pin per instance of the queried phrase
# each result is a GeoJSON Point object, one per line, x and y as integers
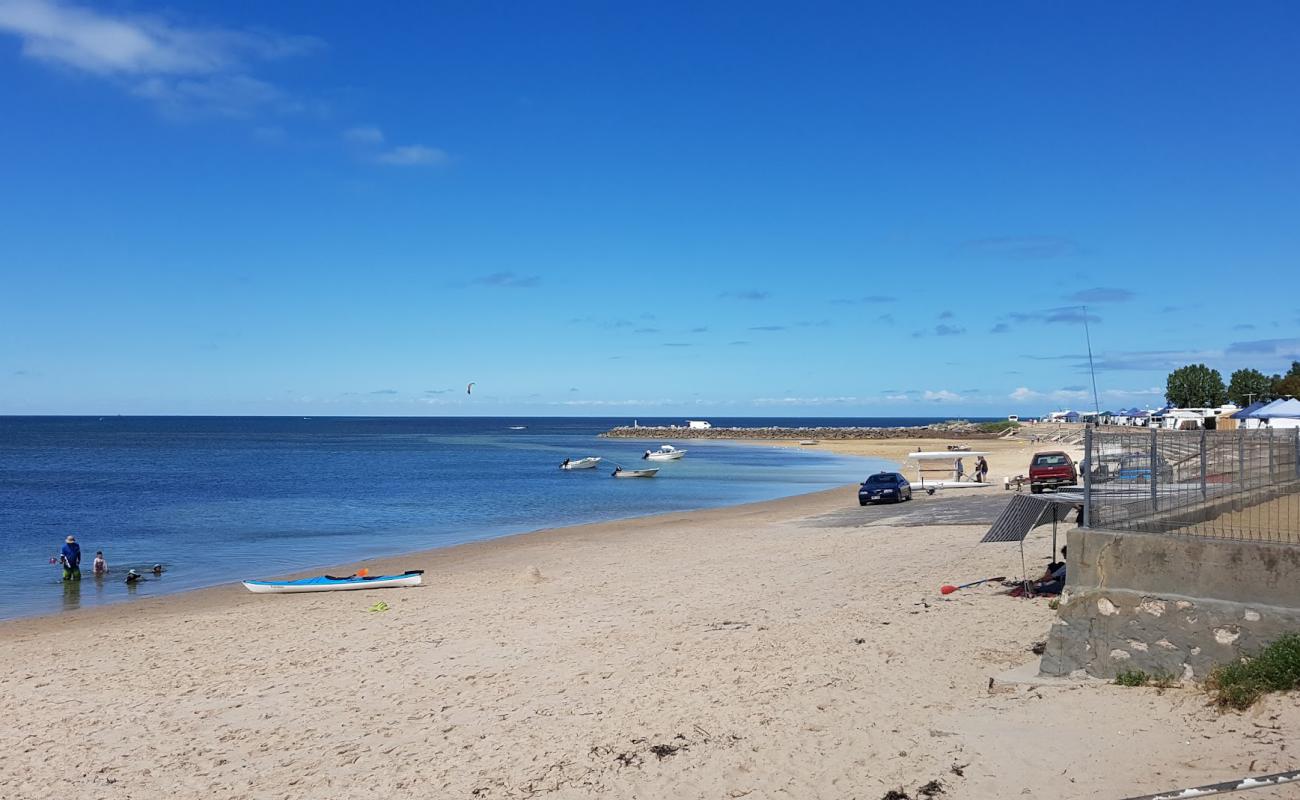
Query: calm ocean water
{"type": "Point", "coordinates": [223, 499]}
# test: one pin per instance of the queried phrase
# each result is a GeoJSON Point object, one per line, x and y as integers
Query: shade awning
{"type": "Point", "coordinates": [1026, 512]}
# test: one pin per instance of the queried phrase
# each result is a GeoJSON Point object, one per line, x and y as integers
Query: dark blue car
{"type": "Point", "coordinates": [884, 486]}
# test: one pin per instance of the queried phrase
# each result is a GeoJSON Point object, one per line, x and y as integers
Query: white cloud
{"type": "Point", "coordinates": [805, 401]}
{"type": "Point", "coordinates": [186, 69]}
{"type": "Point", "coordinates": [414, 155]}
{"type": "Point", "coordinates": [940, 396]}
{"type": "Point", "coordinates": [364, 134]}
{"type": "Point", "coordinates": [1024, 394]}
{"type": "Point", "coordinates": [1121, 394]}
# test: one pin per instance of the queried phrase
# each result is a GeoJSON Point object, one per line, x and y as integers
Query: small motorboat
{"type": "Point", "coordinates": [518, 427]}
{"type": "Point", "coordinates": [329, 583]}
{"type": "Point", "coordinates": [665, 453]}
{"type": "Point", "coordinates": [619, 472]}
{"type": "Point", "coordinates": [581, 463]}
{"type": "Point", "coordinates": [809, 442]}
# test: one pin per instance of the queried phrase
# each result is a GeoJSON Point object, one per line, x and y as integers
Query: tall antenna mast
{"type": "Point", "coordinates": [1096, 404]}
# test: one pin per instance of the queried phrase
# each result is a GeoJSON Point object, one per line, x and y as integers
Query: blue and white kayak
{"type": "Point", "coordinates": [328, 583]}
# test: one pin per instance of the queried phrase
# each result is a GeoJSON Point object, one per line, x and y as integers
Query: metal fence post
{"type": "Point", "coordinates": [1204, 465]}
{"type": "Point", "coordinates": [1297, 452]}
{"type": "Point", "coordinates": [1155, 504]}
{"type": "Point", "coordinates": [1087, 478]}
{"type": "Point", "coordinates": [1241, 460]}
{"type": "Point", "coordinates": [1270, 454]}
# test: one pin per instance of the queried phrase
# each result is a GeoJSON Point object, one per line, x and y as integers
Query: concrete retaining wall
{"type": "Point", "coordinates": [1174, 604]}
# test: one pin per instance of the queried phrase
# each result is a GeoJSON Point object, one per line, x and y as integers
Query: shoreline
{"type": "Point", "coordinates": [203, 597]}
{"type": "Point", "coordinates": [797, 647]}
{"type": "Point", "coordinates": [107, 593]}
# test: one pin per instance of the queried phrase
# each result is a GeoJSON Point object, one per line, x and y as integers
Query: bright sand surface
{"type": "Point", "coordinates": [797, 648]}
{"type": "Point", "coordinates": [1006, 457]}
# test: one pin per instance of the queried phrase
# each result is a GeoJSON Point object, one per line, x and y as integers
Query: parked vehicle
{"type": "Point", "coordinates": [884, 486]}
{"type": "Point", "coordinates": [1136, 468]}
{"type": "Point", "coordinates": [1052, 470]}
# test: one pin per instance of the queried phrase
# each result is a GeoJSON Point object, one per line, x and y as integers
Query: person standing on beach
{"type": "Point", "coordinates": [70, 557]}
{"type": "Point", "coordinates": [960, 469]}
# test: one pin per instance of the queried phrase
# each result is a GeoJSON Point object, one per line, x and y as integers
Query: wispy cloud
{"type": "Point", "coordinates": [747, 294]}
{"type": "Point", "coordinates": [948, 330]}
{"type": "Point", "coordinates": [738, 343]}
{"type": "Point", "coordinates": [507, 280]}
{"type": "Point", "coordinates": [870, 299]}
{"type": "Point", "coordinates": [767, 328]}
{"type": "Point", "coordinates": [1100, 294]}
{"type": "Point", "coordinates": [364, 134]}
{"type": "Point", "coordinates": [1021, 247]}
{"type": "Point", "coordinates": [412, 155]}
{"type": "Point", "coordinates": [385, 391]}
{"type": "Point", "coordinates": [1068, 315]}
{"type": "Point", "coordinates": [184, 69]}
{"type": "Point", "coordinates": [646, 330]}
{"type": "Point", "coordinates": [806, 401]}
{"type": "Point", "coordinates": [1275, 348]}
{"type": "Point", "coordinates": [940, 396]}
{"type": "Point", "coordinates": [1025, 394]}
{"type": "Point", "coordinates": [946, 315]}
{"type": "Point", "coordinates": [1001, 327]}
{"type": "Point", "coordinates": [678, 344]}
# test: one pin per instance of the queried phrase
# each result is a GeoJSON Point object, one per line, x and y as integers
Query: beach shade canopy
{"type": "Point", "coordinates": [1026, 512]}
{"type": "Point", "coordinates": [1250, 409]}
{"type": "Point", "coordinates": [1288, 408]}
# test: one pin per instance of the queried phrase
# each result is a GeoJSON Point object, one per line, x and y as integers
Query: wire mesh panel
{"type": "Point", "coordinates": [1242, 484]}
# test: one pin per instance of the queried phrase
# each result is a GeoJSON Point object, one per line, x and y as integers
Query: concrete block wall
{"type": "Point", "coordinates": [1180, 605]}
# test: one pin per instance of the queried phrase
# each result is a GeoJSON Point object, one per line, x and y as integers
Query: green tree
{"type": "Point", "coordinates": [1249, 385]}
{"type": "Point", "coordinates": [1289, 384]}
{"type": "Point", "coordinates": [1195, 386]}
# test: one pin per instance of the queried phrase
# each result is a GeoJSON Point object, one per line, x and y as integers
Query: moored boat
{"type": "Point", "coordinates": [665, 453]}
{"type": "Point", "coordinates": [329, 583]}
{"type": "Point", "coordinates": [580, 463]}
{"type": "Point", "coordinates": [619, 472]}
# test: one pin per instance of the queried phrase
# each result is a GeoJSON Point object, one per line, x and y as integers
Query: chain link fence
{"type": "Point", "coordinates": [1242, 484]}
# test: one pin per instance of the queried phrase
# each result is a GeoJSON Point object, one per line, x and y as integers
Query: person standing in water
{"type": "Point", "coordinates": [101, 566]}
{"type": "Point", "coordinates": [70, 557]}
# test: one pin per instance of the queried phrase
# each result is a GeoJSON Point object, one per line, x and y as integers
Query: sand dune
{"type": "Point", "coordinates": [792, 649]}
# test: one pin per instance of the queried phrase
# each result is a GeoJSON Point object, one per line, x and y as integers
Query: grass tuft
{"type": "Point", "coordinates": [1276, 668]}
{"type": "Point", "coordinates": [998, 426]}
{"type": "Point", "coordinates": [1137, 677]}
{"type": "Point", "coordinates": [1132, 677]}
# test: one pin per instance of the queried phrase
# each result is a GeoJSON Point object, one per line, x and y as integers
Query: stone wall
{"type": "Point", "coordinates": [1180, 605]}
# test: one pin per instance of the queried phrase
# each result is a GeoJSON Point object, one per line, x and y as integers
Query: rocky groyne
{"type": "Point", "coordinates": [950, 430]}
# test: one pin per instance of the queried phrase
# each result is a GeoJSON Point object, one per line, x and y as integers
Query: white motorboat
{"type": "Point", "coordinates": [581, 463]}
{"type": "Point", "coordinates": [619, 472]}
{"type": "Point", "coordinates": [665, 453]}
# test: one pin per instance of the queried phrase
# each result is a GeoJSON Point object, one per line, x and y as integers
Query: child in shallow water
{"type": "Point", "coordinates": [101, 566]}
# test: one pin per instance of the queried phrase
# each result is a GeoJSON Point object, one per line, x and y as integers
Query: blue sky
{"type": "Point", "coordinates": [655, 209]}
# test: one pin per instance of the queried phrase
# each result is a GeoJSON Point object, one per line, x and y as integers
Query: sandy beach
{"type": "Point", "coordinates": [796, 648]}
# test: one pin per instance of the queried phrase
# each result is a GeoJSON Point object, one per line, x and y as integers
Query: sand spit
{"type": "Point", "coordinates": [791, 649]}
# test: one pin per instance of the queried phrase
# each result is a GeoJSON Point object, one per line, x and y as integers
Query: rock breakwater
{"type": "Point", "coordinates": [958, 430]}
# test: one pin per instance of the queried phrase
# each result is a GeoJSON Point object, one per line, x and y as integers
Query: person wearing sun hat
{"type": "Point", "coordinates": [70, 557]}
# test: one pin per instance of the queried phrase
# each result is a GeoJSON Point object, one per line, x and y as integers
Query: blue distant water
{"type": "Point", "coordinates": [219, 499]}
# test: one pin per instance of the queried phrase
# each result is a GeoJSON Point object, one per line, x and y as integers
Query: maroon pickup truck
{"type": "Point", "coordinates": [1051, 470]}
